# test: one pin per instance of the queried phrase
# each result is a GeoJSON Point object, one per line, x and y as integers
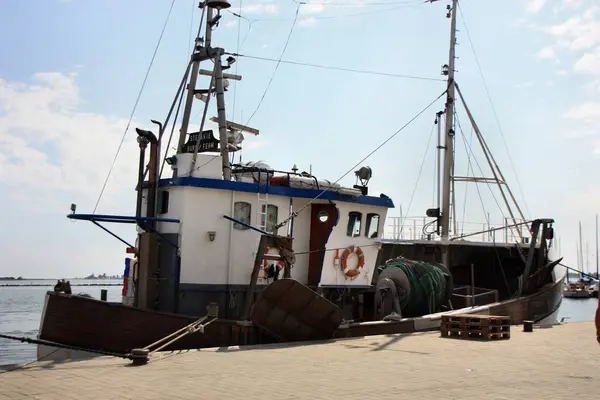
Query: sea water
{"type": "Point", "coordinates": [21, 309]}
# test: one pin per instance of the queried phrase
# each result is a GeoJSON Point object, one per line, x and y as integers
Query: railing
{"type": "Point", "coordinates": [411, 228]}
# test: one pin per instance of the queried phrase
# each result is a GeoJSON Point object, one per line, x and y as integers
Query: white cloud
{"type": "Point", "coordinates": [53, 154]}
{"type": "Point", "coordinates": [586, 112]}
{"type": "Point", "coordinates": [260, 8]}
{"type": "Point", "coordinates": [312, 8]}
{"type": "Point", "coordinates": [47, 144]}
{"type": "Point", "coordinates": [579, 32]}
{"type": "Point", "coordinates": [547, 53]}
{"type": "Point", "coordinates": [535, 6]}
{"type": "Point", "coordinates": [589, 63]}
{"type": "Point", "coordinates": [593, 87]}
{"type": "Point", "coordinates": [308, 22]}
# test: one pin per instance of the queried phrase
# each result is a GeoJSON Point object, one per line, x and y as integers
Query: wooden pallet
{"type": "Point", "coordinates": [476, 319]}
{"type": "Point", "coordinates": [469, 326]}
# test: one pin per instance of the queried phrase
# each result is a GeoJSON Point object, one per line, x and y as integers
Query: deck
{"type": "Point", "coordinates": [559, 362]}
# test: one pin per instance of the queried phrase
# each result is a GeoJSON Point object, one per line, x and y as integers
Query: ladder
{"type": "Point", "coordinates": [263, 203]}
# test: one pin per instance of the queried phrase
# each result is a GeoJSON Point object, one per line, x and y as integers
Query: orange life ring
{"type": "Point", "coordinates": [352, 273]}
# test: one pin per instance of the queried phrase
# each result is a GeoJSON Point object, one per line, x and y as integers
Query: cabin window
{"type": "Point", "coordinates": [354, 219]}
{"type": "Point", "coordinates": [372, 228]}
{"type": "Point", "coordinates": [163, 202]}
{"type": "Point", "coordinates": [271, 217]}
{"type": "Point", "coordinates": [241, 212]}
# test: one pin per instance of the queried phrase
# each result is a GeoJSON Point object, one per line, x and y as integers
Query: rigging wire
{"type": "Point", "coordinates": [134, 107]}
{"type": "Point", "coordinates": [359, 71]}
{"type": "Point", "coordinates": [295, 213]}
{"type": "Point", "coordinates": [469, 168]}
{"type": "Point", "coordinates": [481, 172]}
{"type": "Point", "coordinates": [412, 196]}
{"type": "Point", "coordinates": [493, 108]}
{"type": "Point", "coordinates": [237, 49]}
{"type": "Point", "coordinates": [287, 41]}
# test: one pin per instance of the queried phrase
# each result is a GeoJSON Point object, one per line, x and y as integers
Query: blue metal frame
{"type": "Point", "coordinates": [124, 219]}
{"type": "Point", "coordinates": [246, 225]}
{"type": "Point", "coordinates": [324, 194]}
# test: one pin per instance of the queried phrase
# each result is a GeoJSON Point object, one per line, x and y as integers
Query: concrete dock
{"type": "Point", "coordinates": [559, 362]}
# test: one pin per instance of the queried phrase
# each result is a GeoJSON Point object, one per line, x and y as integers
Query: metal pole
{"type": "Point", "coordinates": [449, 137]}
{"type": "Point", "coordinates": [222, 118]}
{"type": "Point", "coordinates": [438, 157]}
{"type": "Point", "coordinates": [597, 259]}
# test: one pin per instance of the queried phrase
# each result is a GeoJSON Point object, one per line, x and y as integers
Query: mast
{"type": "Point", "coordinates": [597, 259]}
{"type": "Point", "coordinates": [204, 51]}
{"type": "Point", "coordinates": [449, 133]}
{"type": "Point", "coordinates": [581, 250]}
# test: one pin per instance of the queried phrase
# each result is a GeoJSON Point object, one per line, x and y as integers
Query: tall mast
{"type": "Point", "coordinates": [597, 259]}
{"type": "Point", "coordinates": [449, 133]}
{"type": "Point", "coordinates": [204, 51]}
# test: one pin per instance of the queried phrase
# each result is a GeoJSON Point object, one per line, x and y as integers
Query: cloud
{"type": "Point", "coordinates": [260, 8]}
{"type": "Point", "coordinates": [585, 112]}
{"type": "Point", "coordinates": [53, 154]}
{"type": "Point", "coordinates": [308, 22]}
{"type": "Point", "coordinates": [48, 144]}
{"type": "Point", "coordinates": [547, 53]}
{"type": "Point", "coordinates": [589, 63]}
{"type": "Point", "coordinates": [535, 6]}
{"type": "Point", "coordinates": [579, 32]}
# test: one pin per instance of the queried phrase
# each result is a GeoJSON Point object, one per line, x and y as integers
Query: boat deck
{"type": "Point", "coordinates": [547, 363]}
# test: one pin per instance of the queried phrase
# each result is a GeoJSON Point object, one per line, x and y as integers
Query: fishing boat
{"type": "Point", "coordinates": [240, 254]}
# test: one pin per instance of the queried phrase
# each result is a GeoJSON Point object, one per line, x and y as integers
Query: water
{"type": "Point", "coordinates": [21, 308]}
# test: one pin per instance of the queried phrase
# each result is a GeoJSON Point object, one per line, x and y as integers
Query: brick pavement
{"type": "Point", "coordinates": [552, 363]}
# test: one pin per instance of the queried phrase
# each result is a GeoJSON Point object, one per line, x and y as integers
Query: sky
{"type": "Point", "coordinates": [71, 72]}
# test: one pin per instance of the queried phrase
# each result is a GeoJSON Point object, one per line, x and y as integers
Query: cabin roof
{"type": "Point", "coordinates": [220, 184]}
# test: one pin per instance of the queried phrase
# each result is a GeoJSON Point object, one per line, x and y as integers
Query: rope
{"type": "Point", "coordinates": [358, 71]}
{"type": "Point", "coordinates": [137, 100]}
{"type": "Point", "coordinates": [427, 284]}
{"type": "Point", "coordinates": [59, 346]}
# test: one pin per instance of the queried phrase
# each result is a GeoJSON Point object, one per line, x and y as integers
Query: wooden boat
{"type": "Point", "coordinates": [309, 263]}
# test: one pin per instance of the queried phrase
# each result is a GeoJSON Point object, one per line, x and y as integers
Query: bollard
{"type": "Point", "coordinates": [103, 294]}
{"type": "Point", "coordinates": [527, 326]}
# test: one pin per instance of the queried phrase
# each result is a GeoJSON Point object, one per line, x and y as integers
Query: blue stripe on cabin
{"type": "Point", "coordinates": [275, 190]}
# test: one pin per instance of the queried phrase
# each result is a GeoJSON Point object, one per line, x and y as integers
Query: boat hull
{"type": "Point", "coordinates": [96, 325]}
{"type": "Point", "coordinates": [576, 294]}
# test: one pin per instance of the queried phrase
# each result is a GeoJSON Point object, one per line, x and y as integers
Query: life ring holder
{"type": "Point", "coordinates": [352, 273]}
{"type": "Point", "coordinates": [279, 266]}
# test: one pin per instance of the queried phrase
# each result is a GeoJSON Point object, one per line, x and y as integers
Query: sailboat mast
{"type": "Point", "coordinates": [581, 249]}
{"type": "Point", "coordinates": [449, 132]}
{"type": "Point", "coordinates": [597, 259]}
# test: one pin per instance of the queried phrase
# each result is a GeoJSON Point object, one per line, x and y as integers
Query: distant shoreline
{"type": "Point", "coordinates": [20, 279]}
{"type": "Point", "coordinates": [51, 285]}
